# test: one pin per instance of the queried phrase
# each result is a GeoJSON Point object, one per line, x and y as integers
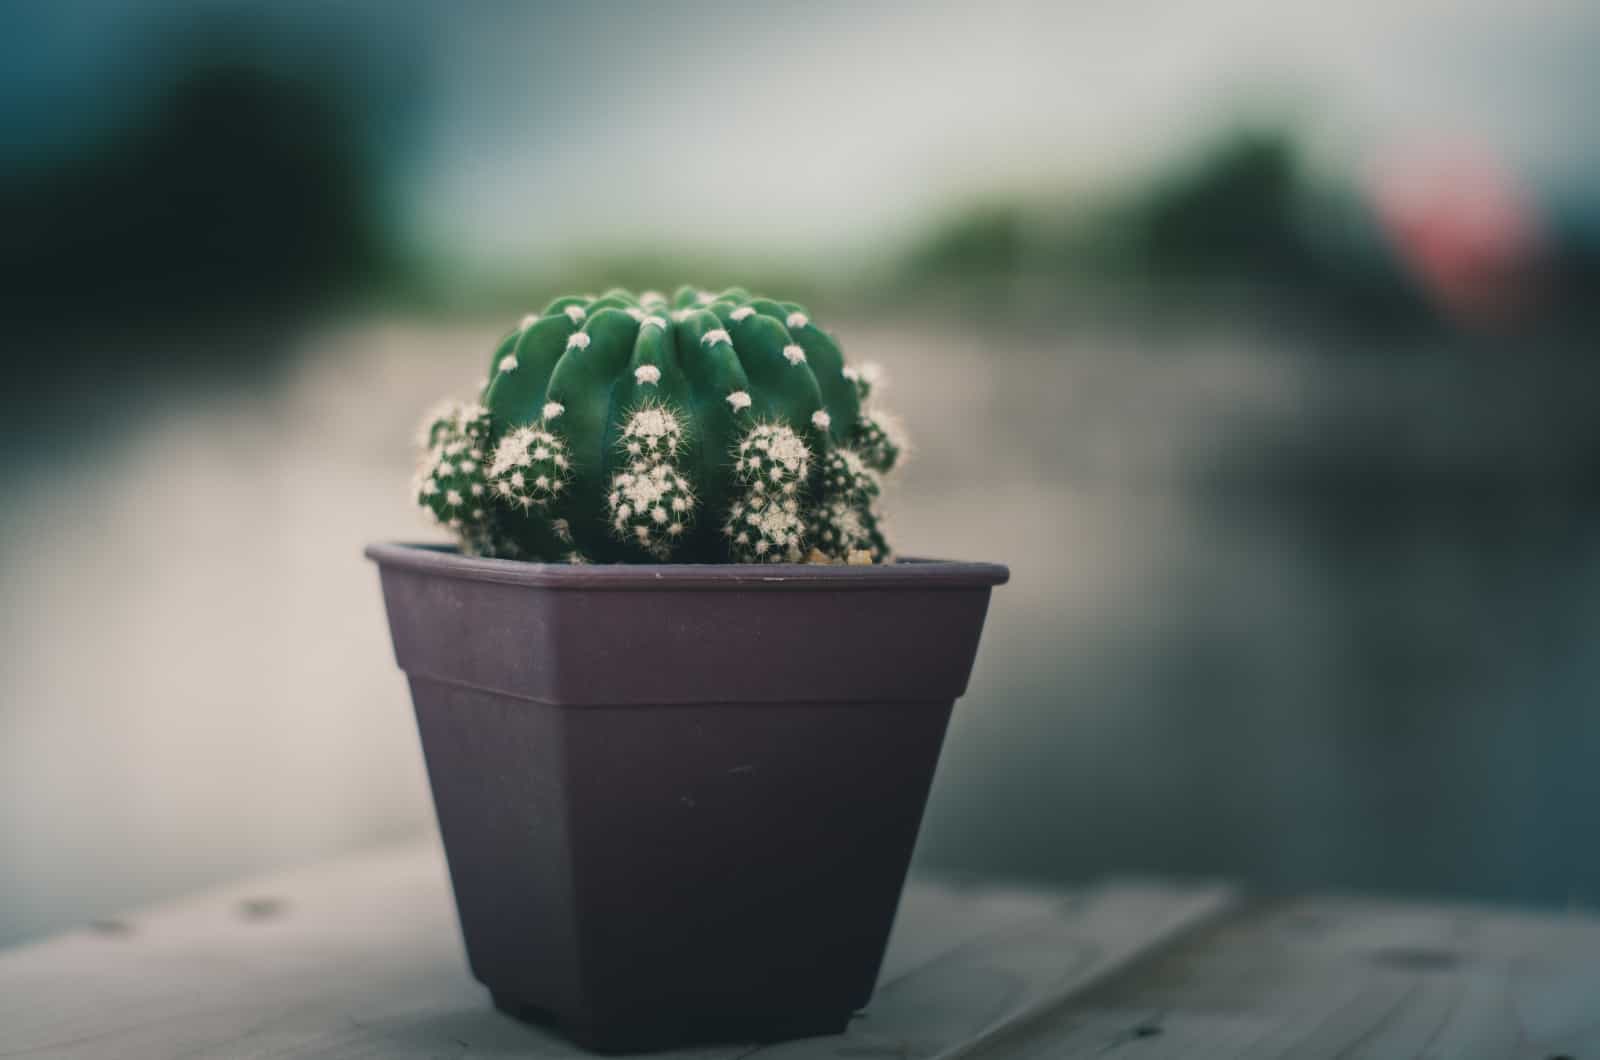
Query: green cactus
{"type": "Point", "coordinates": [451, 478]}
{"type": "Point", "coordinates": [715, 428]}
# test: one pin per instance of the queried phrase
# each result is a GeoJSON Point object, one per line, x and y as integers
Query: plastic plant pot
{"type": "Point", "coordinates": [678, 802]}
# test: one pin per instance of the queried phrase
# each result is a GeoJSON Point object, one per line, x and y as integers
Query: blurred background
{"type": "Point", "coordinates": [1258, 339]}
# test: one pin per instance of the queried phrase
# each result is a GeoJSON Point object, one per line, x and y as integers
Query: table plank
{"type": "Point", "coordinates": [362, 958]}
{"type": "Point", "coordinates": [1340, 977]}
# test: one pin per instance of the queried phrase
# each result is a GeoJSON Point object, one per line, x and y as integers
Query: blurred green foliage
{"type": "Point", "coordinates": [1237, 209]}
{"type": "Point", "coordinates": [242, 188]}
{"type": "Point", "coordinates": [1240, 216]}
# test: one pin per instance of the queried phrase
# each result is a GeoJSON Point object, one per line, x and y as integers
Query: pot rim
{"type": "Point", "coordinates": [909, 572]}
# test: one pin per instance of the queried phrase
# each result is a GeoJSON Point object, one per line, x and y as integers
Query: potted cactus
{"type": "Point", "coordinates": [679, 706]}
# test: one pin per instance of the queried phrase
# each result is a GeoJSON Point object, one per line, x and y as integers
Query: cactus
{"type": "Point", "coordinates": [451, 478]}
{"type": "Point", "coordinates": [714, 428]}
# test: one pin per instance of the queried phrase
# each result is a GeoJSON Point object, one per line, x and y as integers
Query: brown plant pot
{"type": "Point", "coordinates": [678, 802]}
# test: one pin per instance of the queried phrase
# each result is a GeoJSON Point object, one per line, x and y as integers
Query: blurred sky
{"type": "Point", "coordinates": [837, 125]}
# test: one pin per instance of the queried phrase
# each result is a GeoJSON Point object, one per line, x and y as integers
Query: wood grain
{"type": "Point", "coordinates": [362, 958]}
{"type": "Point", "coordinates": [1341, 978]}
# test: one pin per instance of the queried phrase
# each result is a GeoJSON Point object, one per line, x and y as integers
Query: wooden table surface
{"type": "Point", "coordinates": [361, 958]}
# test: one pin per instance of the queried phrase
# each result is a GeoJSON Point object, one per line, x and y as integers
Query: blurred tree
{"type": "Point", "coordinates": [244, 189]}
{"type": "Point", "coordinates": [1241, 214]}
{"type": "Point", "coordinates": [990, 238]}
{"type": "Point", "coordinates": [1235, 211]}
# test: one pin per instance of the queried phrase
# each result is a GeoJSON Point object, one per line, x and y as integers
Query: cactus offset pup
{"type": "Point", "coordinates": [715, 428]}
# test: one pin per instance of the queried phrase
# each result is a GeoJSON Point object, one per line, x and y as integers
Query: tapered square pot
{"type": "Point", "coordinates": [678, 802]}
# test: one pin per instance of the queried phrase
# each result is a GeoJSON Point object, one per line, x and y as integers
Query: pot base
{"type": "Point", "coordinates": [738, 1024]}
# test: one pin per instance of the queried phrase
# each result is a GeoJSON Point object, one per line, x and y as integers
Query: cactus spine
{"type": "Point", "coordinates": [714, 428]}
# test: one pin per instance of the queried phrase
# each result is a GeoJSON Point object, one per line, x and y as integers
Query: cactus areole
{"type": "Point", "coordinates": [711, 428]}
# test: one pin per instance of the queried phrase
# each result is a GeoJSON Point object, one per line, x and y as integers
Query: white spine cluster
{"type": "Point", "coordinates": [744, 312]}
{"type": "Point", "coordinates": [772, 453]}
{"type": "Point", "coordinates": [436, 422]}
{"type": "Point", "coordinates": [651, 506]}
{"type": "Point", "coordinates": [647, 375]}
{"type": "Point", "coordinates": [845, 525]}
{"type": "Point", "coordinates": [652, 433]}
{"type": "Point", "coordinates": [575, 313]}
{"type": "Point", "coordinates": [879, 441]}
{"type": "Point", "coordinates": [530, 467]}
{"type": "Point", "coordinates": [843, 531]}
{"type": "Point", "coordinates": [765, 523]}
{"type": "Point", "coordinates": [651, 503]}
{"type": "Point", "coordinates": [450, 482]}
{"type": "Point", "coordinates": [846, 476]}
{"type": "Point", "coordinates": [866, 378]}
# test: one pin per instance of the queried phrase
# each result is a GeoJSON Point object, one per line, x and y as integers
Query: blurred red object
{"type": "Point", "coordinates": [1466, 230]}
